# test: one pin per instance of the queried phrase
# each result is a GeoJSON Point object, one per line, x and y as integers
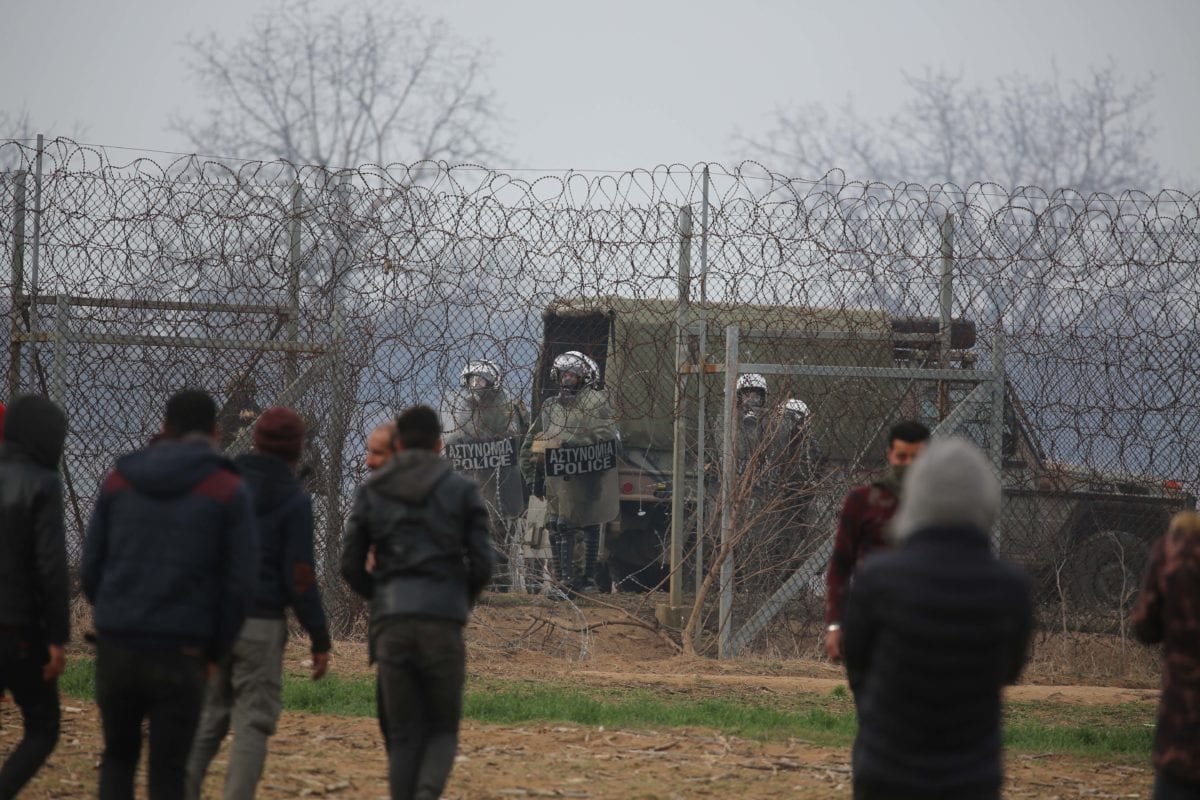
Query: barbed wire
{"type": "Point", "coordinates": [376, 284]}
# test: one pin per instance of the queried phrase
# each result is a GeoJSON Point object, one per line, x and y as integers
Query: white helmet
{"type": "Point", "coordinates": [574, 362]}
{"type": "Point", "coordinates": [595, 369]}
{"type": "Point", "coordinates": [796, 406]}
{"type": "Point", "coordinates": [483, 368]}
{"type": "Point", "coordinates": [751, 380]}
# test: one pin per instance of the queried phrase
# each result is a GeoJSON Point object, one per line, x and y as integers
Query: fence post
{"type": "Point", "coordinates": [293, 323]}
{"type": "Point", "coordinates": [999, 380]}
{"type": "Point", "coordinates": [17, 284]}
{"type": "Point", "coordinates": [701, 395]}
{"type": "Point", "coordinates": [37, 241]}
{"type": "Point", "coordinates": [672, 615]}
{"type": "Point", "coordinates": [725, 607]}
{"type": "Point", "coordinates": [946, 307]}
{"type": "Point", "coordinates": [62, 312]}
{"type": "Point", "coordinates": [336, 442]}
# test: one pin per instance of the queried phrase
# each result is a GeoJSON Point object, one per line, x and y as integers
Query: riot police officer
{"type": "Point", "coordinates": [483, 428]}
{"type": "Point", "coordinates": [569, 457]}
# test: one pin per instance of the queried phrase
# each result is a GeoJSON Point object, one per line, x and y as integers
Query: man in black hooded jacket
{"type": "Point", "coordinates": [433, 557]}
{"type": "Point", "coordinates": [34, 595]}
{"type": "Point", "coordinates": [169, 563]}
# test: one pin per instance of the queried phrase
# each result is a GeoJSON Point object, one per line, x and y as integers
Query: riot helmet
{"type": "Point", "coordinates": [796, 407]}
{"type": "Point", "coordinates": [593, 380]}
{"type": "Point", "coordinates": [479, 376]}
{"type": "Point", "coordinates": [752, 390]}
{"type": "Point", "coordinates": [571, 371]}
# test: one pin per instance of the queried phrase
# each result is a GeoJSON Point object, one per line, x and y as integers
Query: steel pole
{"type": "Point", "coordinates": [17, 286]}
{"type": "Point", "coordinates": [701, 395]}
{"type": "Point", "coordinates": [679, 445]}
{"type": "Point", "coordinates": [725, 607]}
{"type": "Point", "coordinates": [290, 367]}
{"type": "Point", "coordinates": [946, 308]}
{"type": "Point", "coordinates": [34, 260]}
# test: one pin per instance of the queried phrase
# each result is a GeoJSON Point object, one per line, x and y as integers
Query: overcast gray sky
{"type": "Point", "coordinates": [621, 84]}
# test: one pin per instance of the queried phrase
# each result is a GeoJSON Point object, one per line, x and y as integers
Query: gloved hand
{"type": "Point", "coordinates": [539, 488]}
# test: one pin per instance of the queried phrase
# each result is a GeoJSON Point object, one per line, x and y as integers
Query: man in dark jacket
{"type": "Point", "coordinates": [934, 629]}
{"type": "Point", "coordinates": [248, 686]}
{"type": "Point", "coordinates": [34, 595]}
{"type": "Point", "coordinates": [169, 563]}
{"type": "Point", "coordinates": [433, 557]}
{"type": "Point", "coordinates": [863, 525]}
{"type": "Point", "coordinates": [1168, 612]}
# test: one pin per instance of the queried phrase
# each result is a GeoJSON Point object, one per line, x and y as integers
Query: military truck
{"type": "Point", "coordinates": [1079, 531]}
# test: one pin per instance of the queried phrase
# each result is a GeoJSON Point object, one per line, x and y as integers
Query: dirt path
{"type": "Point", "coordinates": [343, 757]}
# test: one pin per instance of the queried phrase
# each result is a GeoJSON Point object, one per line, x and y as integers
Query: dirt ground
{"type": "Point", "coordinates": [343, 757]}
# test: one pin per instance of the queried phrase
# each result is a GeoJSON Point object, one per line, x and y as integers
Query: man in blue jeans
{"type": "Point", "coordinates": [169, 563]}
{"type": "Point", "coordinates": [247, 690]}
{"type": "Point", "coordinates": [433, 556]}
{"type": "Point", "coordinates": [34, 618]}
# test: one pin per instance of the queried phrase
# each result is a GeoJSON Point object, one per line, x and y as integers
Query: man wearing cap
{"type": "Point", "coordinates": [246, 692]}
{"type": "Point", "coordinates": [169, 564]}
{"type": "Point", "coordinates": [34, 593]}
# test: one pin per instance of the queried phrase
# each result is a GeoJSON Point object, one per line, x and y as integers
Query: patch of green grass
{"type": "Point", "coordinates": [516, 702]}
{"type": "Point", "coordinates": [78, 679]}
{"type": "Point", "coordinates": [1123, 730]}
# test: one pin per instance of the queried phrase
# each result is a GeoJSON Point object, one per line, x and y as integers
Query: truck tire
{"type": "Point", "coordinates": [1106, 570]}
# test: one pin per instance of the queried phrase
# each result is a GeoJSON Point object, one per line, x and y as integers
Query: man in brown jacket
{"type": "Point", "coordinates": [1168, 611]}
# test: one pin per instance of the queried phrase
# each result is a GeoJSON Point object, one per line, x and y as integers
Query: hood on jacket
{"type": "Point", "coordinates": [269, 479]}
{"type": "Point", "coordinates": [410, 476]}
{"type": "Point", "coordinates": [951, 483]}
{"type": "Point", "coordinates": [172, 466]}
{"type": "Point", "coordinates": [37, 427]}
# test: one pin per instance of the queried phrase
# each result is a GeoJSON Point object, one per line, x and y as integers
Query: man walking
{"type": "Point", "coordinates": [433, 557]}
{"type": "Point", "coordinates": [934, 629]}
{"type": "Point", "coordinates": [248, 686]}
{"type": "Point", "coordinates": [34, 619]}
{"type": "Point", "coordinates": [169, 563]}
{"type": "Point", "coordinates": [862, 526]}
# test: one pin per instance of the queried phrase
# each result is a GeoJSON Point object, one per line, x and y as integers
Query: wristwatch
{"type": "Point", "coordinates": [834, 626]}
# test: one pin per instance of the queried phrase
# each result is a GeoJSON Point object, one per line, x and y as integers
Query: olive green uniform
{"type": "Point", "coordinates": [492, 417]}
{"type": "Point", "coordinates": [579, 501]}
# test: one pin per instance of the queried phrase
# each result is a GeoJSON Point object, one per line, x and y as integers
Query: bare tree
{"type": "Point", "coordinates": [1089, 135]}
{"type": "Point", "coordinates": [370, 82]}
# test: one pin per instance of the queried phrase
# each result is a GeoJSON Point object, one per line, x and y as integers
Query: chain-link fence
{"type": "Point", "coordinates": [351, 294]}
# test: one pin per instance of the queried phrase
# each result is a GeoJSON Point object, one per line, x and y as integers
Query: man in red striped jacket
{"type": "Point", "coordinates": [863, 525]}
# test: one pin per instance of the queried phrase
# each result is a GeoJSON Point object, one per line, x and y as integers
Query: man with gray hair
{"type": "Point", "coordinates": [933, 630]}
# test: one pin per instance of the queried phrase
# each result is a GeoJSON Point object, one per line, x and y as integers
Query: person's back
{"type": "Point", "coordinates": [246, 691]}
{"type": "Point", "coordinates": [34, 593]}
{"type": "Point", "coordinates": [155, 589]}
{"type": "Point", "coordinates": [429, 530]}
{"type": "Point", "coordinates": [933, 631]}
{"type": "Point", "coordinates": [169, 565]}
{"type": "Point", "coordinates": [33, 579]}
{"type": "Point", "coordinates": [420, 575]}
{"type": "Point", "coordinates": [286, 574]}
{"type": "Point", "coordinates": [1168, 612]}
